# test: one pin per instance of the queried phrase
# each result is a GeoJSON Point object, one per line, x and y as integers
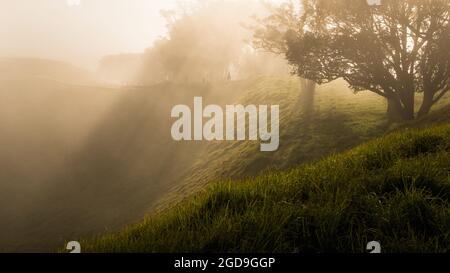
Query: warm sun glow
{"type": "Point", "coordinates": [81, 33]}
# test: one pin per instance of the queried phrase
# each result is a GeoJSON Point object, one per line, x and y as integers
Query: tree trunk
{"type": "Point", "coordinates": [402, 107]}
{"type": "Point", "coordinates": [395, 111]}
{"type": "Point", "coordinates": [308, 91]}
{"type": "Point", "coordinates": [426, 104]}
{"type": "Point", "coordinates": [409, 105]}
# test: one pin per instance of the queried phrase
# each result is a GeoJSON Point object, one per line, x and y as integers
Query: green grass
{"type": "Point", "coordinates": [395, 190]}
{"type": "Point", "coordinates": [341, 120]}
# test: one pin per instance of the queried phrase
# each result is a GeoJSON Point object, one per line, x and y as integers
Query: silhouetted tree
{"type": "Point", "coordinates": [396, 50]}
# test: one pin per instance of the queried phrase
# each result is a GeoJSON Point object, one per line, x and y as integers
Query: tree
{"type": "Point", "coordinates": [396, 50]}
{"type": "Point", "coordinates": [204, 41]}
{"type": "Point", "coordinates": [271, 34]}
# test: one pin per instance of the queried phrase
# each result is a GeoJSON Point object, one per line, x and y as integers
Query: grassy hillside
{"type": "Point", "coordinates": [222, 213]}
{"type": "Point", "coordinates": [341, 120]}
{"type": "Point", "coordinates": [395, 190]}
{"type": "Point", "coordinates": [79, 159]}
{"type": "Point", "coordinates": [129, 163]}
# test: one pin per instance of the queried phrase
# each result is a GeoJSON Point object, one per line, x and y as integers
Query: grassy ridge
{"type": "Point", "coordinates": [341, 120]}
{"type": "Point", "coordinates": [395, 190]}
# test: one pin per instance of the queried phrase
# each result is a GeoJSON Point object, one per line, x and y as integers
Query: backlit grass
{"type": "Point", "coordinates": [394, 190]}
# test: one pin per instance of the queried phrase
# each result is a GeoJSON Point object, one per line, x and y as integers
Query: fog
{"type": "Point", "coordinates": [82, 34]}
{"type": "Point", "coordinates": [79, 34]}
{"type": "Point", "coordinates": [85, 99]}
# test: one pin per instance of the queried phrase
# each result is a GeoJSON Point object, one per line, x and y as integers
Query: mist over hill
{"type": "Point", "coordinates": [81, 159]}
{"type": "Point", "coordinates": [45, 116]}
{"type": "Point", "coordinates": [15, 69]}
{"type": "Point", "coordinates": [88, 155]}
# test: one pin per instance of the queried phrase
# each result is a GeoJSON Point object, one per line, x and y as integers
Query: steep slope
{"type": "Point", "coordinates": [341, 120]}
{"type": "Point", "coordinates": [395, 190]}
{"type": "Point", "coordinates": [86, 159]}
{"type": "Point", "coordinates": [131, 163]}
{"type": "Point", "coordinates": [126, 163]}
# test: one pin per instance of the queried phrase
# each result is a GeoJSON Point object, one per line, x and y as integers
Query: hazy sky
{"type": "Point", "coordinates": [80, 34]}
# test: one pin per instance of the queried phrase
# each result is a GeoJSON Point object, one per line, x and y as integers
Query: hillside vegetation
{"type": "Point", "coordinates": [395, 190]}
{"type": "Point", "coordinates": [64, 141]}
{"type": "Point", "coordinates": [341, 120]}
{"type": "Point", "coordinates": [128, 165]}
{"type": "Point", "coordinates": [308, 207]}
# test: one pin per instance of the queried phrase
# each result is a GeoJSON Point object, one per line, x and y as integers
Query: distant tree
{"type": "Point", "coordinates": [271, 34]}
{"type": "Point", "coordinates": [396, 50]}
{"type": "Point", "coordinates": [204, 40]}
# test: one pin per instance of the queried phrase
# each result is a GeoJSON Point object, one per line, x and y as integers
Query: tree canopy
{"type": "Point", "coordinates": [207, 41]}
{"type": "Point", "coordinates": [396, 49]}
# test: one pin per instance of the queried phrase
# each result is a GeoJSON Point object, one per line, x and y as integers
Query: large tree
{"type": "Point", "coordinates": [396, 50]}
